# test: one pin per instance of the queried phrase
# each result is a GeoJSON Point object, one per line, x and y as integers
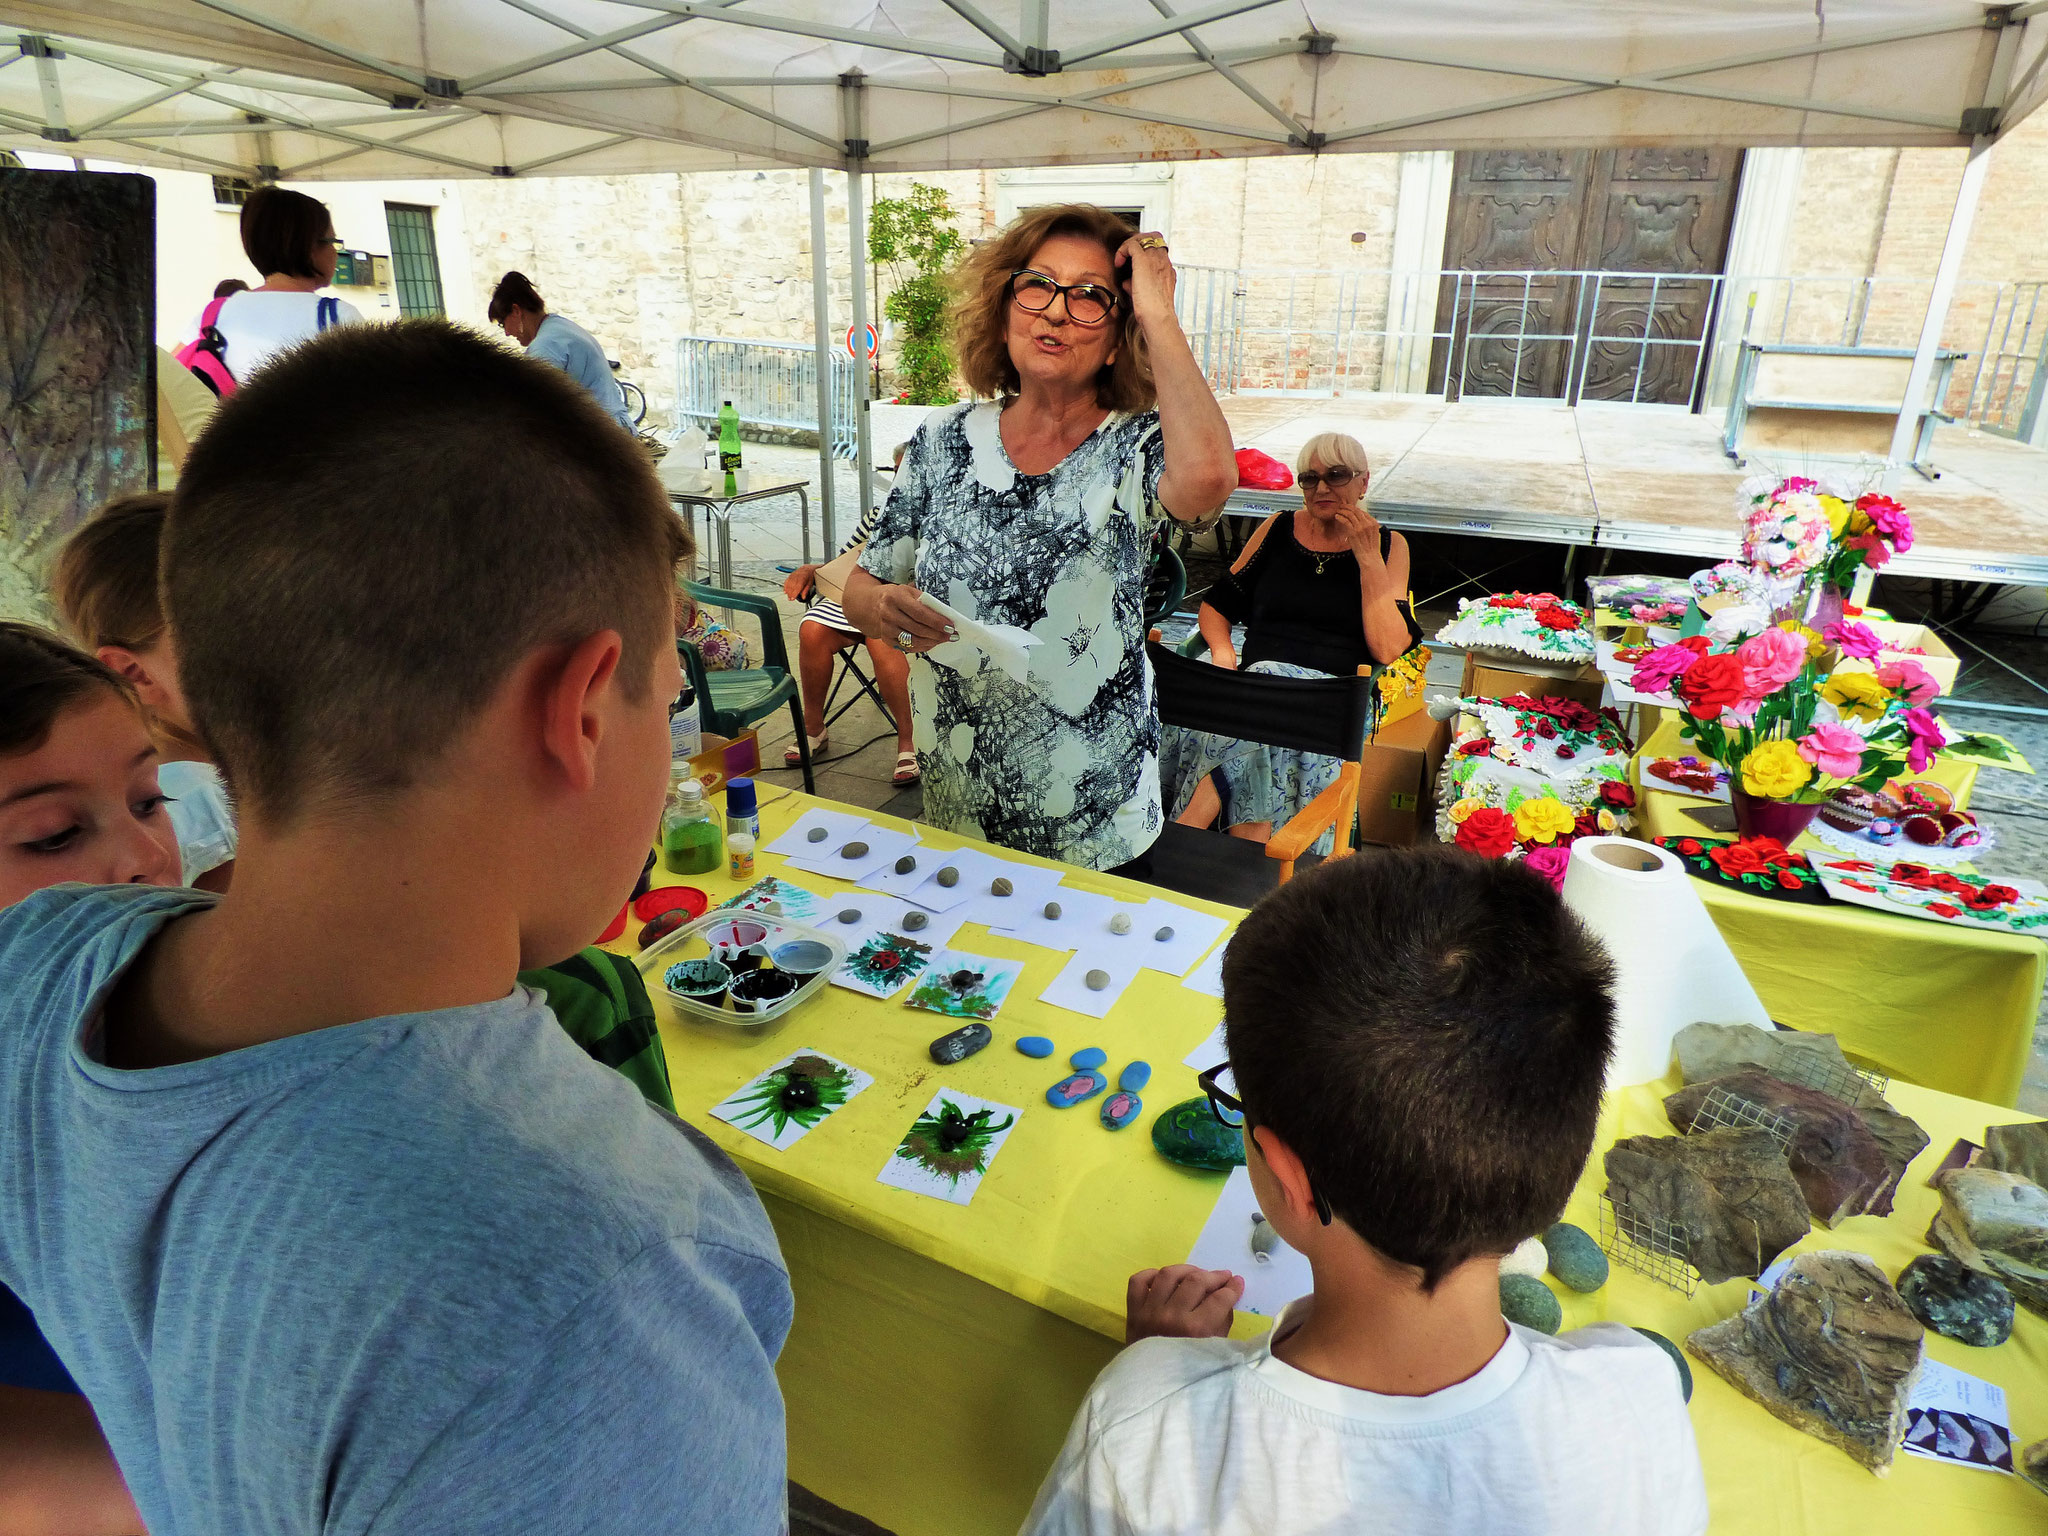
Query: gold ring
{"type": "Point", "coordinates": [1152, 243]}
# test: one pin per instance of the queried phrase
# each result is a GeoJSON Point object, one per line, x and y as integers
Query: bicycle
{"type": "Point", "coordinates": [636, 398]}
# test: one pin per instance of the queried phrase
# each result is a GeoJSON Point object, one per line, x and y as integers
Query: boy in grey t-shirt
{"type": "Point", "coordinates": [334, 1226]}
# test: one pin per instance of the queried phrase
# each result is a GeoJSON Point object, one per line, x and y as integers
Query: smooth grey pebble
{"type": "Point", "coordinates": [849, 916]}
{"type": "Point", "coordinates": [1052, 911]}
{"type": "Point", "coordinates": [905, 865]}
{"type": "Point", "coordinates": [912, 921]}
{"type": "Point", "coordinates": [854, 851]}
{"type": "Point", "coordinates": [816, 835]}
{"type": "Point", "coordinates": [1121, 923]}
{"type": "Point", "coordinates": [949, 877]}
{"type": "Point", "coordinates": [1097, 980]}
{"type": "Point", "coordinates": [1163, 934]}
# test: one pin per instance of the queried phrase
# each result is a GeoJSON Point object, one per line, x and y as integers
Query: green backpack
{"type": "Point", "coordinates": [604, 1006]}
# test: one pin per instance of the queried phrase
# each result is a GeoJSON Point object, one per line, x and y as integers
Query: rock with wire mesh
{"type": "Point", "coordinates": [1707, 1051]}
{"type": "Point", "coordinates": [1832, 1351]}
{"type": "Point", "coordinates": [1728, 1195]}
{"type": "Point", "coordinates": [1997, 1224]}
{"type": "Point", "coordinates": [1843, 1166]}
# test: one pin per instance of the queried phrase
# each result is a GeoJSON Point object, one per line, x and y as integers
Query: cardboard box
{"type": "Point", "coordinates": [722, 759]}
{"type": "Point", "coordinates": [1397, 779]}
{"type": "Point", "coordinates": [1486, 678]}
{"type": "Point", "coordinates": [1941, 663]}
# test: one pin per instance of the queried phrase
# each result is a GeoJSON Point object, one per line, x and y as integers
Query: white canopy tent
{"type": "Point", "coordinates": [384, 89]}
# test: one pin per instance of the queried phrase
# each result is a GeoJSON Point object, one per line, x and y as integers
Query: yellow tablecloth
{"type": "Point", "coordinates": [1948, 1008]}
{"type": "Point", "coordinates": [940, 1351]}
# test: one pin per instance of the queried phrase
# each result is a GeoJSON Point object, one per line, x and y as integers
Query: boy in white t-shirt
{"type": "Point", "coordinates": [1418, 1041]}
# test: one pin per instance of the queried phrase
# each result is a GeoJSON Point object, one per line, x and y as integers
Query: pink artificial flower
{"type": "Point", "coordinates": [1927, 739]}
{"type": "Point", "coordinates": [1796, 485]}
{"type": "Point", "coordinates": [1909, 678]}
{"type": "Point", "coordinates": [1857, 640]}
{"type": "Point", "coordinates": [1742, 714]}
{"type": "Point", "coordinates": [1656, 672]}
{"type": "Point", "coordinates": [1550, 862]}
{"type": "Point", "coordinates": [1770, 661]}
{"type": "Point", "coordinates": [1889, 518]}
{"type": "Point", "coordinates": [1875, 555]}
{"type": "Point", "coordinates": [1835, 750]}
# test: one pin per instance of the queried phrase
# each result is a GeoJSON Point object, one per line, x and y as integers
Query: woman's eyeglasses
{"type": "Point", "coordinates": [1335, 479]}
{"type": "Point", "coordinates": [1220, 1084]}
{"type": "Point", "coordinates": [1087, 303]}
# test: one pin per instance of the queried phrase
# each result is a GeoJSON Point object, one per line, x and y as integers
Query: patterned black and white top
{"type": "Point", "coordinates": [1065, 764]}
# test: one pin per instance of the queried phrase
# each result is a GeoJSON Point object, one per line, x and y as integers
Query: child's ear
{"type": "Point", "coordinates": [136, 671]}
{"type": "Point", "coordinates": [572, 705]}
{"type": "Point", "coordinates": [1287, 1171]}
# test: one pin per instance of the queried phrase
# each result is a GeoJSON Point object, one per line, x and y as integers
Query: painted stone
{"type": "Point", "coordinates": [1164, 934]}
{"type": "Point", "coordinates": [1677, 1359]}
{"type": "Point", "coordinates": [1264, 1240]}
{"type": "Point", "coordinates": [949, 877]}
{"type": "Point", "coordinates": [1088, 1058]}
{"type": "Point", "coordinates": [664, 923]}
{"type": "Point", "coordinates": [960, 1044]}
{"type": "Point", "coordinates": [1844, 1166]}
{"type": "Point", "coordinates": [1052, 911]}
{"type": "Point", "coordinates": [1035, 1046]}
{"type": "Point", "coordinates": [1096, 980]}
{"type": "Point", "coordinates": [913, 921]}
{"type": "Point", "coordinates": [1121, 923]}
{"type": "Point", "coordinates": [1076, 1089]}
{"type": "Point", "coordinates": [906, 864]}
{"type": "Point", "coordinates": [1120, 1109]}
{"type": "Point", "coordinates": [1996, 1223]}
{"type": "Point", "coordinates": [816, 835]}
{"type": "Point", "coordinates": [849, 915]}
{"type": "Point", "coordinates": [1134, 1077]}
{"type": "Point", "coordinates": [854, 851]}
{"type": "Point", "coordinates": [1730, 1195]}
{"type": "Point", "coordinates": [2020, 1149]}
{"type": "Point", "coordinates": [1832, 1351]}
{"type": "Point", "coordinates": [1528, 1259]}
{"type": "Point", "coordinates": [1574, 1257]}
{"type": "Point", "coordinates": [1188, 1133]}
{"type": "Point", "coordinates": [1531, 1303]}
{"type": "Point", "coordinates": [2033, 1464]}
{"type": "Point", "coordinates": [1957, 1302]}
{"type": "Point", "coordinates": [1000, 886]}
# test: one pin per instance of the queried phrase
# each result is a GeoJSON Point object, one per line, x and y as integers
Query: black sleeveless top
{"type": "Point", "coordinates": [1294, 611]}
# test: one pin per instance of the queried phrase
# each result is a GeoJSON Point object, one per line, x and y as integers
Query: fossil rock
{"type": "Point", "coordinates": [1714, 1050]}
{"type": "Point", "coordinates": [1843, 1167]}
{"type": "Point", "coordinates": [1730, 1195]}
{"type": "Point", "coordinates": [1831, 1351]}
{"type": "Point", "coordinates": [1956, 1301]}
{"type": "Point", "coordinates": [948, 877]}
{"type": "Point", "coordinates": [2020, 1149]}
{"type": "Point", "coordinates": [1997, 1223]}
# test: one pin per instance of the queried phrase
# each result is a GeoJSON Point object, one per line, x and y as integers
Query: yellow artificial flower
{"type": "Point", "coordinates": [1857, 693]}
{"type": "Point", "coordinates": [1774, 770]}
{"type": "Point", "coordinates": [1605, 821]}
{"type": "Point", "coordinates": [1541, 819]}
{"type": "Point", "coordinates": [1859, 520]}
{"type": "Point", "coordinates": [1837, 511]}
{"type": "Point", "coordinates": [1815, 646]}
{"type": "Point", "coordinates": [1464, 808]}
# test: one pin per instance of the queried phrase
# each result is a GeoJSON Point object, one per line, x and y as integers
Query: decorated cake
{"type": "Point", "coordinates": [1526, 777]}
{"type": "Point", "coordinates": [1521, 624]}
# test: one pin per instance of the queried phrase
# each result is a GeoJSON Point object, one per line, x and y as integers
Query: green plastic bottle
{"type": "Point", "coordinates": [728, 438]}
{"type": "Point", "coordinates": [691, 842]}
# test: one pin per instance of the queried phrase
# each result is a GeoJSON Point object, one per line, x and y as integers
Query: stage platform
{"type": "Point", "coordinates": [1651, 478]}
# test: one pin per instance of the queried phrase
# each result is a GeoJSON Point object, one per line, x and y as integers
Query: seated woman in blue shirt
{"type": "Point", "coordinates": [518, 311]}
{"type": "Point", "coordinates": [1320, 592]}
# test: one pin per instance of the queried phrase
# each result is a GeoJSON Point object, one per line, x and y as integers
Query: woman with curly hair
{"type": "Point", "coordinates": [1035, 509]}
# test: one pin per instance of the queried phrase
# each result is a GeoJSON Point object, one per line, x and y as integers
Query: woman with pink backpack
{"type": "Point", "coordinates": [289, 238]}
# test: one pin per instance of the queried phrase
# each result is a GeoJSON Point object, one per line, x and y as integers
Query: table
{"type": "Point", "coordinates": [718, 509]}
{"type": "Point", "coordinates": [1948, 1008]}
{"type": "Point", "coordinates": [939, 1352]}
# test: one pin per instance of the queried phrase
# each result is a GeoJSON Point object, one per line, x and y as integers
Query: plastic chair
{"type": "Point", "coordinates": [729, 702]}
{"type": "Point", "coordinates": [1165, 584]}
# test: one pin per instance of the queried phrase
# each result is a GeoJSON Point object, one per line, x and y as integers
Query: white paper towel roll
{"type": "Point", "coordinates": [1672, 967]}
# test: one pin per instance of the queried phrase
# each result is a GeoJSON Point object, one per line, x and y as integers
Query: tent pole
{"type": "Point", "coordinates": [1946, 271]}
{"type": "Point", "coordinates": [857, 252]}
{"type": "Point", "coordinates": [821, 338]}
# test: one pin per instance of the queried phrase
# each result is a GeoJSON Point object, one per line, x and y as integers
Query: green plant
{"type": "Point", "coordinates": [915, 236]}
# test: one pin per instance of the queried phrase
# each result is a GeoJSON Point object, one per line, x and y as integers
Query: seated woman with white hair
{"type": "Point", "coordinates": [1320, 592]}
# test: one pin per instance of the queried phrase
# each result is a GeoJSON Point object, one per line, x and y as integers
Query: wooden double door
{"type": "Point", "coordinates": [1540, 217]}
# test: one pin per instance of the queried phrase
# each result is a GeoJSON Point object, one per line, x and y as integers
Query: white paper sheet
{"type": "Point", "coordinates": [1208, 976]}
{"type": "Point", "coordinates": [1033, 886]}
{"type": "Point", "coordinates": [1271, 1280]}
{"type": "Point", "coordinates": [840, 828]}
{"type": "Point", "coordinates": [1081, 919]}
{"type": "Point", "coordinates": [913, 1171]}
{"type": "Point", "coordinates": [883, 914]}
{"type": "Point", "coordinates": [758, 1114]}
{"type": "Point", "coordinates": [1069, 989]}
{"type": "Point", "coordinates": [975, 868]}
{"type": "Point", "coordinates": [881, 965]}
{"type": "Point", "coordinates": [1209, 1052]}
{"type": "Point", "coordinates": [1006, 646]}
{"type": "Point", "coordinates": [1193, 933]}
{"type": "Point", "coordinates": [885, 847]}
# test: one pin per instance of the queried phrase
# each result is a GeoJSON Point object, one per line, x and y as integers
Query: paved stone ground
{"type": "Point", "coordinates": [862, 755]}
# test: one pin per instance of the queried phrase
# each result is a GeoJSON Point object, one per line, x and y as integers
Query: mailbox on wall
{"type": "Point", "coordinates": [355, 269]}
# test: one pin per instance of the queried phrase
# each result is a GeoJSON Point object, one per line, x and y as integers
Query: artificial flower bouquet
{"type": "Point", "coordinates": [1527, 777]}
{"type": "Point", "coordinates": [1806, 538]}
{"type": "Point", "coordinates": [1536, 624]}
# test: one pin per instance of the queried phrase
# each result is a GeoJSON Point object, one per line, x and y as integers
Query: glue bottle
{"type": "Point", "coordinates": [739, 855]}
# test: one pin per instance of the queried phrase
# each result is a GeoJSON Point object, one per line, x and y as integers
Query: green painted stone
{"type": "Point", "coordinates": [1530, 1303]}
{"type": "Point", "coordinates": [1956, 1301]}
{"type": "Point", "coordinates": [1575, 1258]}
{"type": "Point", "coordinates": [1677, 1359]}
{"type": "Point", "coordinates": [1191, 1135]}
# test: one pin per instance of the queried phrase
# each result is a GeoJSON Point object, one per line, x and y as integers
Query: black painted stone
{"type": "Point", "coordinates": [1956, 1301]}
{"type": "Point", "coordinates": [960, 1044]}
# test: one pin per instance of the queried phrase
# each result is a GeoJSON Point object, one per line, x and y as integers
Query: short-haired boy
{"type": "Point", "coordinates": [334, 1225]}
{"type": "Point", "coordinates": [1418, 1041]}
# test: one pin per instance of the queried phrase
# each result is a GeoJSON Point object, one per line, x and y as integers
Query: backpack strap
{"type": "Point", "coordinates": [327, 311]}
{"type": "Point", "coordinates": [211, 317]}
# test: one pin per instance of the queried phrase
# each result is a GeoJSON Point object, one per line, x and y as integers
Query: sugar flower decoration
{"type": "Point", "coordinates": [1488, 832]}
{"type": "Point", "coordinates": [1656, 672]}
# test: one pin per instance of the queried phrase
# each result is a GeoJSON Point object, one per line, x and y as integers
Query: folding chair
{"type": "Point", "coordinates": [850, 669]}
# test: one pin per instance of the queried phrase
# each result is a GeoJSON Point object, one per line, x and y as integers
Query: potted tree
{"type": "Point", "coordinates": [914, 236]}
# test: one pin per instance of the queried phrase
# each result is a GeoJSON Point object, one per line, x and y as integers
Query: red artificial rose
{"type": "Point", "coordinates": [1475, 747]}
{"type": "Point", "coordinates": [1488, 832]}
{"type": "Point", "coordinates": [1557, 618]}
{"type": "Point", "coordinates": [1943, 909]}
{"type": "Point", "coordinates": [1910, 873]}
{"type": "Point", "coordinates": [1689, 845]}
{"type": "Point", "coordinates": [1999, 895]}
{"type": "Point", "coordinates": [1616, 793]}
{"type": "Point", "coordinates": [1710, 685]}
{"type": "Point", "coordinates": [1788, 880]}
{"type": "Point", "coordinates": [1505, 600]}
{"type": "Point", "coordinates": [1588, 825]}
{"type": "Point", "coordinates": [1546, 728]}
{"type": "Point", "coordinates": [1737, 859]}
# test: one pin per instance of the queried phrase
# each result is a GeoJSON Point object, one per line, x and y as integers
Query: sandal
{"type": "Point", "coordinates": [906, 768]}
{"type": "Point", "coordinates": [792, 757]}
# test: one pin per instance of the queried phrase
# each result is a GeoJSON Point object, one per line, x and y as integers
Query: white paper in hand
{"type": "Point", "coordinates": [1007, 647]}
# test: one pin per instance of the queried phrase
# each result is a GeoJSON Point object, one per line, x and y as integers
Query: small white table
{"type": "Point", "coordinates": [691, 488]}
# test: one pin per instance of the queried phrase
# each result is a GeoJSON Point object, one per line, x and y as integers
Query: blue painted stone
{"type": "Point", "coordinates": [1088, 1060]}
{"type": "Point", "coordinates": [1120, 1109]}
{"type": "Point", "coordinates": [1189, 1134]}
{"type": "Point", "coordinates": [1074, 1090]}
{"type": "Point", "coordinates": [1035, 1045]}
{"type": "Point", "coordinates": [1135, 1076]}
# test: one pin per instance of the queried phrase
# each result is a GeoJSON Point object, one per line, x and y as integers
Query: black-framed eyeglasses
{"type": "Point", "coordinates": [1335, 479]}
{"type": "Point", "coordinates": [1220, 1084]}
{"type": "Point", "coordinates": [1087, 303]}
